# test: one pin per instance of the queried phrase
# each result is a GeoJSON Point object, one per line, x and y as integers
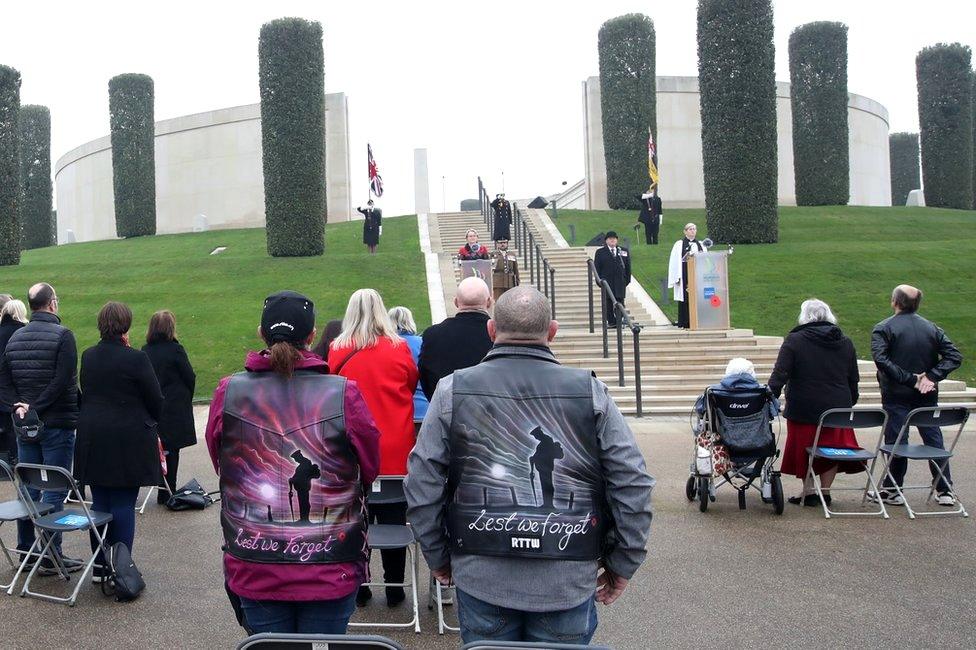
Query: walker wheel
{"type": "Point", "coordinates": [777, 488]}
{"type": "Point", "coordinates": [691, 488]}
{"type": "Point", "coordinates": [703, 494]}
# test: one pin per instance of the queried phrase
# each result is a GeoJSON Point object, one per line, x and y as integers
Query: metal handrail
{"type": "Point", "coordinates": [622, 317]}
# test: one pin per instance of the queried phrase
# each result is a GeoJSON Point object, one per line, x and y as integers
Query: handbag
{"type": "Point", "coordinates": [125, 580]}
{"type": "Point", "coordinates": [29, 428]}
{"type": "Point", "coordinates": [191, 496]}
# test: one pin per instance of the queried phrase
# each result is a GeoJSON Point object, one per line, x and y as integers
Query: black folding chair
{"type": "Point", "coordinates": [272, 641]}
{"type": "Point", "coordinates": [930, 416]}
{"type": "Point", "coordinates": [15, 510]}
{"type": "Point", "coordinates": [517, 645]}
{"type": "Point", "coordinates": [382, 537]}
{"type": "Point", "coordinates": [852, 418]}
{"type": "Point", "coordinates": [54, 478]}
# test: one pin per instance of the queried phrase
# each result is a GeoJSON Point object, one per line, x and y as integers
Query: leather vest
{"type": "Point", "coordinates": [525, 476]}
{"type": "Point", "coordinates": [289, 477]}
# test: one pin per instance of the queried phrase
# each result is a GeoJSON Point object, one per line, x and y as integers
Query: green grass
{"type": "Point", "coordinates": [850, 257]}
{"type": "Point", "coordinates": [217, 299]}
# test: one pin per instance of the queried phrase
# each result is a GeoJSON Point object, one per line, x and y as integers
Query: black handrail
{"type": "Point", "coordinates": [622, 317]}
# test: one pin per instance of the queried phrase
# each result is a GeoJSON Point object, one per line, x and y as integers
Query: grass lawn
{"type": "Point", "coordinates": [851, 257]}
{"type": "Point", "coordinates": [217, 299]}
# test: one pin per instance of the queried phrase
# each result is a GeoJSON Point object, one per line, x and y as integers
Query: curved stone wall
{"type": "Point", "coordinates": [679, 146]}
{"type": "Point", "coordinates": [206, 164]}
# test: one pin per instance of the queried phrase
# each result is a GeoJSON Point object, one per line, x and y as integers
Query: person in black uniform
{"type": "Point", "coordinates": [503, 218]}
{"type": "Point", "coordinates": [613, 265]}
{"type": "Point", "coordinates": [651, 215]}
{"type": "Point", "coordinates": [301, 482]}
{"type": "Point", "coordinates": [372, 226]}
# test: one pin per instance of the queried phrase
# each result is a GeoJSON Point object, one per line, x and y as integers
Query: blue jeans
{"type": "Point", "coordinates": [299, 617]}
{"type": "Point", "coordinates": [481, 621]}
{"type": "Point", "coordinates": [931, 436]}
{"type": "Point", "coordinates": [121, 504]}
{"type": "Point", "coordinates": [57, 447]}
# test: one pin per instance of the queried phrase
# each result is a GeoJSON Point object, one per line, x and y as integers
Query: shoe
{"type": "Point", "coordinates": [795, 500]}
{"type": "Point", "coordinates": [395, 596]}
{"type": "Point", "coordinates": [100, 574]}
{"type": "Point", "coordinates": [73, 565]}
{"type": "Point", "coordinates": [946, 499]}
{"type": "Point", "coordinates": [364, 595]}
{"type": "Point", "coordinates": [890, 498]}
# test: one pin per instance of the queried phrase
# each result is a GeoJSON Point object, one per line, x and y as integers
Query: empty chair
{"type": "Point", "coordinates": [54, 478]}
{"type": "Point", "coordinates": [517, 645]}
{"type": "Point", "coordinates": [272, 641]}
{"type": "Point", "coordinates": [16, 510]}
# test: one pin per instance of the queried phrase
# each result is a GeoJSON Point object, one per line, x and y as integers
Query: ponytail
{"type": "Point", "coordinates": [284, 357]}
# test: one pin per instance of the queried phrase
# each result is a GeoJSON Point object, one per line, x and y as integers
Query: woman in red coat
{"type": "Point", "coordinates": [369, 352]}
{"type": "Point", "coordinates": [472, 250]}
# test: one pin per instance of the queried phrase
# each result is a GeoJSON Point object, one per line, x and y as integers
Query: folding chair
{"type": "Point", "coordinates": [516, 645]}
{"type": "Point", "coordinates": [141, 509]}
{"type": "Point", "coordinates": [52, 477]}
{"type": "Point", "coordinates": [930, 416]}
{"type": "Point", "coordinates": [852, 418]}
{"type": "Point", "coordinates": [272, 641]}
{"type": "Point", "coordinates": [435, 598]}
{"type": "Point", "coordinates": [381, 537]}
{"type": "Point", "coordinates": [15, 510]}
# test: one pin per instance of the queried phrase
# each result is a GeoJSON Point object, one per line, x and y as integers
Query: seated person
{"type": "Point", "coordinates": [472, 250]}
{"type": "Point", "coordinates": [740, 375]}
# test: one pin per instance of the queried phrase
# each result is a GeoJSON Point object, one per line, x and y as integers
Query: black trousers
{"type": "Point", "coordinates": [684, 320]}
{"type": "Point", "coordinates": [8, 440]}
{"type": "Point", "coordinates": [394, 560]}
{"type": "Point", "coordinates": [651, 232]}
{"type": "Point", "coordinates": [608, 305]}
{"type": "Point", "coordinates": [172, 467]}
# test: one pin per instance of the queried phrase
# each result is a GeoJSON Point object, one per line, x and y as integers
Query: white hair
{"type": "Point", "coordinates": [403, 320]}
{"type": "Point", "coordinates": [815, 311]}
{"type": "Point", "coordinates": [365, 322]}
{"type": "Point", "coordinates": [739, 366]}
{"type": "Point", "coordinates": [16, 309]}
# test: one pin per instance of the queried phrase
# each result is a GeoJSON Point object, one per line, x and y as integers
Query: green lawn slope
{"type": "Point", "coordinates": [851, 257]}
{"type": "Point", "coordinates": [217, 299]}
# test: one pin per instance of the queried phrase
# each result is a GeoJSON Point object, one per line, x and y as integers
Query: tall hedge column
{"type": "Point", "coordinates": [628, 105]}
{"type": "Point", "coordinates": [9, 166]}
{"type": "Point", "coordinates": [945, 119]}
{"type": "Point", "coordinates": [130, 102]}
{"type": "Point", "coordinates": [35, 177]}
{"type": "Point", "coordinates": [818, 96]}
{"type": "Point", "coordinates": [903, 152]}
{"type": "Point", "coordinates": [738, 113]}
{"type": "Point", "coordinates": [292, 77]}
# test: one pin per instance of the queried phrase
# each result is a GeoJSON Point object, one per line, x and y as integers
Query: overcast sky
{"type": "Point", "coordinates": [486, 87]}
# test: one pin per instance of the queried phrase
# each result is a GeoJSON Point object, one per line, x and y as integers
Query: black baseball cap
{"type": "Point", "coordinates": [288, 316]}
{"type": "Point", "coordinates": [611, 233]}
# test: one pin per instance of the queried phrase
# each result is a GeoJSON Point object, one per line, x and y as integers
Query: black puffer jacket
{"type": "Point", "coordinates": [40, 367]}
{"type": "Point", "coordinates": [903, 346]}
{"type": "Point", "coordinates": [7, 328]}
{"type": "Point", "coordinates": [818, 366]}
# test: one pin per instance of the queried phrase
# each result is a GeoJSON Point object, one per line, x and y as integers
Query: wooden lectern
{"type": "Point", "coordinates": [708, 290]}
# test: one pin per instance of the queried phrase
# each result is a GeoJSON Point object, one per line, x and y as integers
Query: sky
{"type": "Point", "coordinates": [490, 89]}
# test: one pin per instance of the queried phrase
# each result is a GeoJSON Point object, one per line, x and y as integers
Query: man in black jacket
{"type": "Point", "coordinates": [651, 215]}
{"type": "Point", "coordinates": [458, 342]}
{"type": "Point", "coordinates": [38, 371]}
{"type": "Point", "coordinates": [613, 265]}
{"type": "Point", "coordinates": [912, 355]}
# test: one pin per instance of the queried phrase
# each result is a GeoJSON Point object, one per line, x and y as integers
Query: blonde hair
{"type": "Point", "coordinates": [16, 309]}
{"type": "Point", "coordinates": [366, 320]}
{"type": "Point", "coordinates": [403, 320]}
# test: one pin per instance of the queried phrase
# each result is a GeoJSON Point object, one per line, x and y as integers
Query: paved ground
{"type": "Point", "coordinates": [726, 577]}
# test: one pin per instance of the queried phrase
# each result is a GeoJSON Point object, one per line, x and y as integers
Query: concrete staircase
{"type": "Point", "coordinates": [676, 364]}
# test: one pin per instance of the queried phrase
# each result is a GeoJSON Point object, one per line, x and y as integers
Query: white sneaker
{"type": "Point", "coordinates": [890, 498]}
{"type": "Point", "coordinates": [946, 499]}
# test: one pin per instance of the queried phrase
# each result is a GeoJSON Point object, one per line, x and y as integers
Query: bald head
{"type": "Point", "coordinates": [906, 298]}
{"type": "Point", "coordinates": [41, 297]}
{"type": "Point", "coordinates": [522, 315]}
{"type": "Point", "coordinates": [472, 295]}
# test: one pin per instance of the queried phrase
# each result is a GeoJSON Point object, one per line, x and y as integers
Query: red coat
{"type": "Point", "coordinates": [465, 253]}
{"type": "Point", "coordinates": [387, 378]}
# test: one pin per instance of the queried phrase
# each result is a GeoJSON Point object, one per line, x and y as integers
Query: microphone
{"type": "Point", "coordinates": [707, 243]}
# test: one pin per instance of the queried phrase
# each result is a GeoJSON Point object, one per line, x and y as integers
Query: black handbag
{"type": "Point", "coordinates": [29, 428]}
{"type": "Point", "coordinates": [125, 580]}
{"type": "Point", "coordinates": [191, 496]}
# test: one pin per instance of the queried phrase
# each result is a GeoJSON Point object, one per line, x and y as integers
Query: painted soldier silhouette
{"type": "Point", "coordinates": [547, 452]}
{"type": "Point", "coordinates": [301, 482]}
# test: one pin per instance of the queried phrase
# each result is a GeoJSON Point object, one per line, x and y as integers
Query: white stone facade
{"type": "Point", "coordinates": [679, 146]}
{"type": "Point", "coordinates": [206, 164]}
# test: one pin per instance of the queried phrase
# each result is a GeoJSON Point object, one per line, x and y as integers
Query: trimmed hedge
{"type": "Point", "coordinates": [945, 118]}
{"type": "Point", "coordinates": [10, 193]}
{"type": "Point", "coordinates": [738, 114]}
{"type": "Point", "coordinates": [292, 78]}
{"type": "Point", "coordinates": [35, 177]}
{"type": "Point", "coordinates": [131, 114]}
{"type": "Point", "coordinates": [903, 152]}
{"type": "Point", "coordinates": [818, 98]}
{"type": "Point", "coordinates": [628, 105]}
